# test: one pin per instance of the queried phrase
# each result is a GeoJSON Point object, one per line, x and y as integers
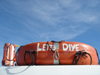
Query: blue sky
{"type": "Point", "coordinates": [26, 21]}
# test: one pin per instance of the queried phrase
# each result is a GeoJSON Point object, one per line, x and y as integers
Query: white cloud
{"type": "Point", "coordinates": [48, 19]}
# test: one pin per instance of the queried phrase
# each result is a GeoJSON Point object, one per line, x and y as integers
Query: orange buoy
{"type": "Point", "coordinates": [63, 53]}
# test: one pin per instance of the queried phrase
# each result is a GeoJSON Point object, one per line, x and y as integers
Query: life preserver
{"type": "Point", "coordinates": [45, 53]}
{"type": "Point", "coordinates": [9, 55]}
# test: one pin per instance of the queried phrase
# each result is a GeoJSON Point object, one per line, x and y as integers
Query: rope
{"type": "Point", "coordinates": [50, 47]}
{"type": "Point", "coordinates": [56, 54]}
{"type": "Point", "coordinates": [17, 54]}
{"type": "Point", "coordinates": [31, 52]}
{"type": "Point", "coordinates": [55, 51]}
{"type": "Point", "coordinates": [80, 53]}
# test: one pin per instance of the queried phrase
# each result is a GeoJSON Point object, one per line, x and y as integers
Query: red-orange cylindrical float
{"type": "Point", "coordinates": [68, 53]}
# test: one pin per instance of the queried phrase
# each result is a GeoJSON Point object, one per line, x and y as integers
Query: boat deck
{"type": "Point", "coordinates": [51, 70]}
